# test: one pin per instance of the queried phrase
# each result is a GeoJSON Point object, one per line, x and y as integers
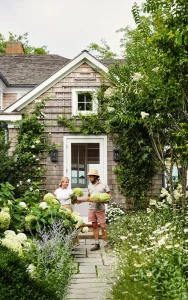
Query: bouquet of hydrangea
{"type": "Point", "coordinates": [100, 197]}
{"type": "Point", "coordinates": [77, 192]}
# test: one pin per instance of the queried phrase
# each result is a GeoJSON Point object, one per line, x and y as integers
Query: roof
{"type": "Point", "coordinates": [83, 57]}
{"type": "Point", "coordinates": [30, 69]}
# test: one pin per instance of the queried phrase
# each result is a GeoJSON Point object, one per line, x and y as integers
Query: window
{"type": "Point", "coordinates": [83, 101]}
{"type": "Point", "coordinates": [83, 158]}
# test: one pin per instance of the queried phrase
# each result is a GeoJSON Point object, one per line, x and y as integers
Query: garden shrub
{"type": "Point", "coordinates": [15, 282]}
{"type": "Point", "coordinates": [152, 255]}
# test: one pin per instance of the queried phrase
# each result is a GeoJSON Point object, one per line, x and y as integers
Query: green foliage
{"type": "Point", "coordinates": [28, 49]}
{"type": "Point", "coordinates": [51, 259]}
{"type": "Point", "coordinates": [16, 283]}
{"type": "Point", "coordinates": [102, 52]}
{"type": "Point", "coordinates": [89, 123]}
{"type": "Point", "coordinates": [30, 149]}
{"type": "Point", "coordinates": [152, 260]}
{"type": "Point", "coordinates": [6, 161]}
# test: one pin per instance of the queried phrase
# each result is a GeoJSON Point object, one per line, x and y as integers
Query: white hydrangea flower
{"type": "Point", "coordinates": [28, 180]}
{"type": "Point", "coordinates": [156, 69]}
{"type": "Point", "coordinates": [23, 204]}
{"type": "Point", "coordinates": [4, 220]}
{"type": "Point", "coordinates": [33, 146]}
{"type": "Point", "coordinates": [43, 205]}
{"type": "Point", "coordinates": [137, 76]}
{"type": "Point", "coordinates": [6, 209]}
{"type": "Point", "coordinates": [85, 229]}
{"type": "Point", "coordinates": [144, 114]}
{"type": "Point", "coordinates": [185, 230]}
{"type": "Point", "coordinates": [9, 233]}
{"type": "Point", "coordinates": [21, 237]}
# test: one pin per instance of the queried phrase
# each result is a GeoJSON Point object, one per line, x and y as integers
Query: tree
{"type": "Point", "coordinates": [102, 52]}
{"type": "Point", "coordinates": [28, 49]}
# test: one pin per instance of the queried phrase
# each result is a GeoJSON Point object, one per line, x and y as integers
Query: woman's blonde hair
{"type": "Point", "coordinates": [62, 180]}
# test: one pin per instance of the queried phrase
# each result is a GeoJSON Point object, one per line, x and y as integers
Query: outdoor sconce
{"type": "Point", "coordinates": [54, 155]}
{"type": "Point", "coordinates": [116, 154]}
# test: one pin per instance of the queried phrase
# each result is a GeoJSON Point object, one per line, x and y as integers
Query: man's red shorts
{"type": "Point", "coordinates": [96, 216]}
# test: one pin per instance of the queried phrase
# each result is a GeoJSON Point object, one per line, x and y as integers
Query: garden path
{"type": "Point", "coordinates": [93, 279]}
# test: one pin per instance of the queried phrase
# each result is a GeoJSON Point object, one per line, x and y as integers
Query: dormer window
{"type": "Point", "coordinates": [84, 101]}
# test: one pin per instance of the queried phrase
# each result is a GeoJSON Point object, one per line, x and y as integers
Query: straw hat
{"type": "Point", "coordinates": [93, 172]}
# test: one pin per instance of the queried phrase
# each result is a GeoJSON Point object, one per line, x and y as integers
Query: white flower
{"type": "Point", "coordinates": [9, 233]}
{"type": "Point", "coordinates": [43, 205]}
{"type": "Point", "coordinates": [85, 229]}
{"type": "Point", "coordinates": [110, 109]}
{"type": "Point", "coordinates": [137, 76]}
{"type": "Point", "coordinates": [185, 230]}
{"type": "Point", "coordinates": [109, 93]}
{"type": "Point", "coordinates": [31, 189]}
{"type": "Point", "coordinates": [168, 246]}
{"type": "Point", "coordinates": [17, 185]}
{"type": "Point", "coordinates": [152, 202]}
{"type": "Point", "coordinates": [20, 182]}
{"type": "Point", "coordinates": [123, 237]}
{"type": "Point", "coordinates": [37, 141]}
{"type": "Point", "coordinates": [148, 210]}
{"type": "Point", "coordinates": [156, 69]}
{"type": "Point", "coordinates": [135, 247]}
{"type": "Point", "coordinates": [23, 204]}
{"type": "Point", "coordinates": [31, 268]}
{"type": "Point", "coordinates": [37, 159]}
{"type": "Point", "coordinates": [4, 220]}
{"type": "Point", "coordinates": [21, 237]}
{"type": "Point", "coordinates": [144, 114]}
{"type": "Point", "coordinates": [28, 180]}
{"type": "Point", "coordinates": [33, 146]}
{"type": "Point", "coordinates": [149, 274]}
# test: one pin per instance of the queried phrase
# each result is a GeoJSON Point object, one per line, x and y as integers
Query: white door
{"type": "Point", "coordinates": [82, 153]}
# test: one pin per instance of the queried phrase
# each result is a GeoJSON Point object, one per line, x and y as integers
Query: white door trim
{"type": "Point", "coordinates": [101, 139]}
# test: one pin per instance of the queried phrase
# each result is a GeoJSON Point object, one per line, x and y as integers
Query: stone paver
{"type": "Point", "coordinates": [91, 280]}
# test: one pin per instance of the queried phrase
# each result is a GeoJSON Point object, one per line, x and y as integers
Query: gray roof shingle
{"type": "Point", "coordinates": [30, 69]}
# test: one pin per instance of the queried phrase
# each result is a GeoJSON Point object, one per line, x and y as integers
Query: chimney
{"type": "Point", "coordinates": [14, 48]}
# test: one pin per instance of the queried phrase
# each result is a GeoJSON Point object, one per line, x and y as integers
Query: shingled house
{"type": "Point", "coordinates": [24, 79]}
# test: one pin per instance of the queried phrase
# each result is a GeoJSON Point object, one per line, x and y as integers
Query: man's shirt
{"type": "Point", "coordinates": [96, 188]}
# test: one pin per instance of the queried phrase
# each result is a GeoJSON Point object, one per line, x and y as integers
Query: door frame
{"type": "Point", "coordinates": [69, 139]}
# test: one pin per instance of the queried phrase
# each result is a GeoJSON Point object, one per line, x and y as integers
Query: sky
{"type": "Point", "coordinates": [67, 27]}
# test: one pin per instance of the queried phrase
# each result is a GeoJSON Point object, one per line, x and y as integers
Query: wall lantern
{"type": "Point", "coordinates": [54, 155]}
{"type": "Point", "coordinates": [116, 154]}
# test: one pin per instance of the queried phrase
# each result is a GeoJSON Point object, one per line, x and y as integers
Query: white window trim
{"type": "Point", "coordinates": [102, 140]}
{"type": "Point", "coordinates": [75, 111]}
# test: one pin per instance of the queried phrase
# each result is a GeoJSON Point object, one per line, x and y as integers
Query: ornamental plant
{"type": "Point", "coordinates": [151, 249]}
{"type": "Point", "coordinates": [77, 192]}
{"type": "Point", "coordinates": [50, 259]}
{"type": "Point", "coordinates": [114, 212]}
{"type": "Point", "coordinates": [15, 280]}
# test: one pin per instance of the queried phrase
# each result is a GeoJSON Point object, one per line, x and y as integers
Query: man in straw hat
{"type": "Point", "coordinates": [96, 212]}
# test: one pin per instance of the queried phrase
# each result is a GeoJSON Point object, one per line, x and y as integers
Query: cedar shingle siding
{"type": "Point", "coordinates": [31, 70]}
